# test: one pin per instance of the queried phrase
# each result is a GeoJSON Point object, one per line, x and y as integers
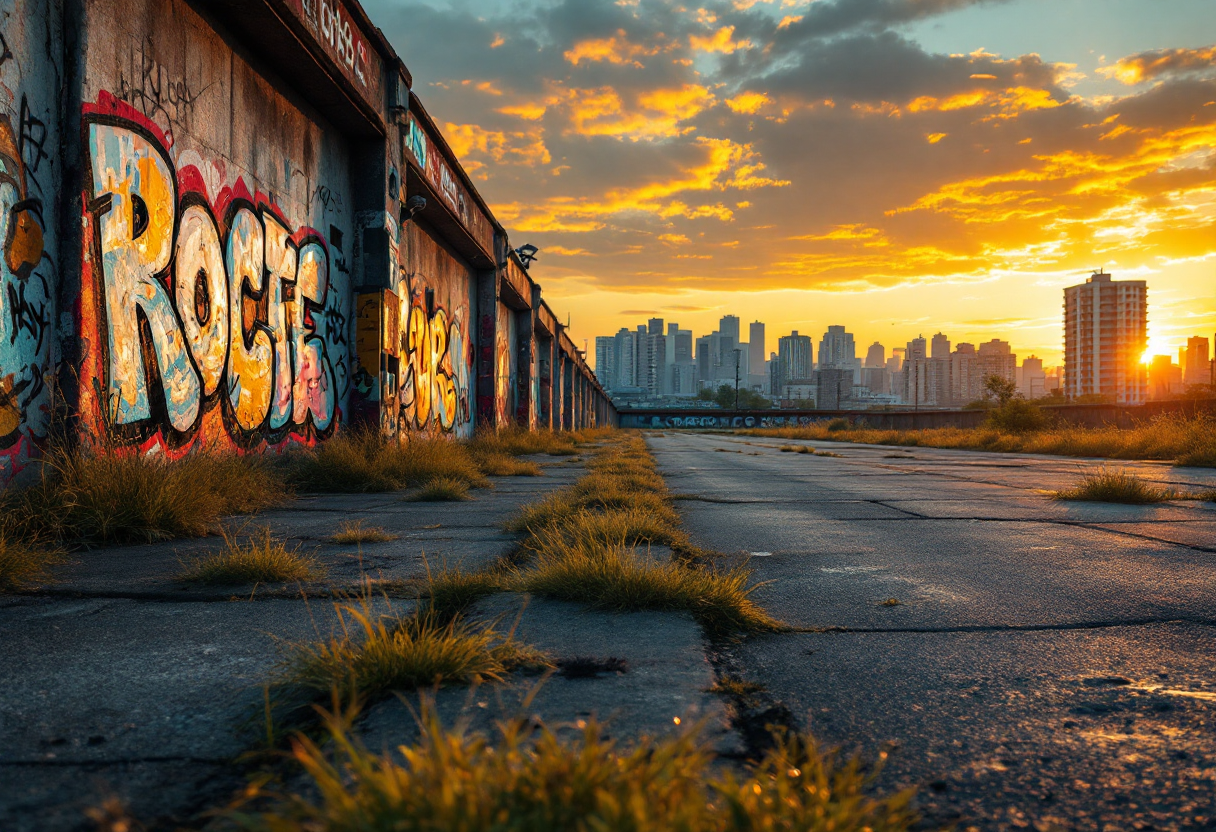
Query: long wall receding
{"type": "Point", "coordinates": [231, 224]}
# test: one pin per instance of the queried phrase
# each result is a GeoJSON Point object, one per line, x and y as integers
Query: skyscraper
{"type": "Point", "coordinates": [605, 361]}
{"type": "Point", "coordinates": [756, 353]}
{"type": "Point", "coordinates": [796, 355]}
{"type": "Point", "coordinates": [941, 346]}
{"type": "Point", "coordinates": [837, 348]}
{"type": "Point", "coordinates": [966, 382]}
{"type": "Point", "coordinates": [729, 326]}
{"type": "Point", "coordinates": [997, 359]}
{"type": "Point", "coordinates": [1105, 333]}
{"type": "Point", "coordinates": [1033, 382]}
{"type": "Point", "coordinates": [1197, 368]}
{"type": "Point", "coordinates": [876, 355]}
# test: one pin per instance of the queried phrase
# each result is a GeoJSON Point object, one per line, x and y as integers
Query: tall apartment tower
{"type": "Point", "coordinates": [996, 358]}
{"type": "Point", "coordinates": [605, 361]}
{"type": "Point", "coordinates": [1105, 334]}
{"type": "Point", "coordinates": [796, 355]}
{"type": "Point", "coordinates": [755, 345]}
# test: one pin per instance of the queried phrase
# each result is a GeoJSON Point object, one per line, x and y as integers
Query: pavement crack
{"type": "Point", "coordinates": [1008, 628]}
{"type": "Point", "coordinates": [158, 758]}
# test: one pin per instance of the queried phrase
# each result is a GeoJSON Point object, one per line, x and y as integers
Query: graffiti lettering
{"type": "Point", "coordinates": [241, 324]}
{"type": "Point", "coordinates": [329, 200]}
{"type": "Point", "coordinates": [32, 143]}
{"type": "Point", "coordinates": [156, 94]}
{"type": "Point", "coordinates": [434, 387]}
{"type": "Point", "coordinates": [6, 54]}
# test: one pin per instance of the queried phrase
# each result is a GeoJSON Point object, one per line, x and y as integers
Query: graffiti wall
{"type": "Point", "coordinates": [436, 348]}
{"type": "Point", "coordinates": [30, 176]}
{"type": "Point", "coordinates": [654, 420]}
{"type": "Point", "coordinates": [505, 359]}
{"type": "Point", "coordinates": [215, 304]}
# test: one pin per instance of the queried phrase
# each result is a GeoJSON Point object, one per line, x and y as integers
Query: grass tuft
{"type": "Point", "coordinates": [528, 779]}
{"type": "Point", "coordinates": [441, 490]}
{"type": "Point", "coordinates": [1107, 485]}
{"type": "Point", "coordinates": [135, 498]}
{"type": "Point", "coordinates": [829, 453]}
{"type": "Point", "coordinates": [260, 559]}
{"type": "Point", "coordinates": [390, 652]}
{"type": "Point", "coordinates": [451, 591]}
{"type": "Point", "coordinates": [353, 532]}
{"type": "Point", "coordinates": [22, 565]}
{"type": "Point", "coordinates": [365, 461]}
{"type": "Point", "coordinates": [505, 465]}
{"type": "Point", "coordinates": [613, 577]}
{"type": "Point", "coordinates": [891, 602]}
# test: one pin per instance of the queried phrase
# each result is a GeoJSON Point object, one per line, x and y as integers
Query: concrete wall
{"type": "Point", "coordinates": [211, 239]}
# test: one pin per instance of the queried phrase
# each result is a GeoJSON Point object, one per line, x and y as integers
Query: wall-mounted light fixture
{"type": "Point", "coordinates": [527, 253]}
{"type": "Point", "coordinates": [412, 206]}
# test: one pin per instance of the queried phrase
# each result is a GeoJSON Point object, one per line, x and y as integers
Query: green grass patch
{"type": "Point", "coordinates": [259, 559]}
{"type": "Point", "coordinates": [528, 779]}
{"type": "Point", "coordinates": [354, 532]}
{"type": "Point", "coordinates": [1111, 485]}
{"type": "Point", "coordinates": [440, 490]}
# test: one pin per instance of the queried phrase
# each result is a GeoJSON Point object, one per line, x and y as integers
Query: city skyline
{"type": "Point", "coordinates": [901, 166]}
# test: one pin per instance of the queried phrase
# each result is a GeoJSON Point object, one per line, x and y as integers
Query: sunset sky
{"type": "Point", "coordinates": [897, 166]}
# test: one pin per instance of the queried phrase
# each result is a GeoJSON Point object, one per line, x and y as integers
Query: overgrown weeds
{"type": "Point", "coordinates": [135, 498]}
{"type": "Point", "coordinates": [1181, 438]}
{"type": "Point", "coordinates": [22, 565]}
{"type": "Point", "coordinates": [505, 465]}
{"type": "Point", "coordinates": [377, 653]}
{"type": "Point", "coordinates": [1108, 485]}
{"type": "Point", "coordinates": [527, 779]}
{"type": "Point", "coordinates": [582, 542]}
{"type": "Point", "coordinates": [441, 490]}
{"type": "Point", "coordinates": [354, 532]}
{"type": "Point", "coordinates": [366, 461]}
{"type": "Point", "coordinates": [259, 559]}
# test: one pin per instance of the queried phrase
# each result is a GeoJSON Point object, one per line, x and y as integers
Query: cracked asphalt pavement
{"type": "Point", "coordinates": [1026, 663]}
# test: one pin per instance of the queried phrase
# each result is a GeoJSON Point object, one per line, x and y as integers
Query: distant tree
{"type": "Point", "coordinates": [804, 404]}
{"type": "Point", "coordinates": [1000, 388]}
{"type": "Point", "coordinates": [707, 395]}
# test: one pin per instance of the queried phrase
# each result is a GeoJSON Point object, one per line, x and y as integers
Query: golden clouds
{"type": "Point", "coordinates": [472, 145]}
{"type": "Point", "coordinates": [748, 103]}
{"type": "Point", "coordinates": [721, 41]}
{"type": "Point", "coordinates": [653, 114]}
{"type": "Point", "coordinates": [722, 165]}
{"type": "Point", "coordinates": [615, 50]}
{"type": "Point", "coordinates": [1148, 66]}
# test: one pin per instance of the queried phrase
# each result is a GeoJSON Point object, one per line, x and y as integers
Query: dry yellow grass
{"type": "Point", "coordinates": [260, 559]}
{"type": "Point", "coordinates": [383, 652]}
{"type": "Point", "coordinates": [440, 490]}
{"type": "Point", "coordinates": [136, 498]}
{"type": "Point", "coordinates": [1183, 440]}
{"type": "Point", "coordinates": [354, 532]}
{"type": "Point", "coordinates": [365, 461]}
{"type": "Point", "coordinates": [1111, 485]}
{"type": "Point", "coordinates": [497, 464]}
{"type": "Point", "coordinates": [528, 779]}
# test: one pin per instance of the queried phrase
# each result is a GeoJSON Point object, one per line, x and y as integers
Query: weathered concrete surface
{"type": "Point", "coordinates": [662, 688]}
{"type": "Point", "coordinates": [1050, 665]}
{"type": "Point", "coordinates": [121, 680]}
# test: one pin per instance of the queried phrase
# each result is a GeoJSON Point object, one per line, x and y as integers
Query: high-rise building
{"type": "Point", "coordinates": [837, 349]}
{"type": "Point", "coordinates": [756, 353]}
{"type": "Point", "coordinates": [605, 361]}
{"type": "Point", "coordinates": [997, 359]}
{"type": "Point", "coordinates": [729, 327]}
{"type": "Point", "coordinates": [896, 362]}
{"type": "Point", "coordinates": [1032, 383]}
{"type": "Point", "coordinates": [1164, 377]}
{"type": "Point", "coordinates": [796, 356]}
{"type": "Point", "coordinates": [940, 347]}
{"type": "Point", "coordinates": [876, 356]}
{"type": "Point", "coordinates": [1105, 333]}
{"type": "Point", "coordinates": [966, 382]}
{"type": "Point", "coordinates": [655, 326]}
{"type": "Point", "coordinates": [1197, 369]}
{"type": "Point", "coordinates": [626, 359]}
{"type": "Point", "coordinates": [916, 349]}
